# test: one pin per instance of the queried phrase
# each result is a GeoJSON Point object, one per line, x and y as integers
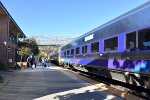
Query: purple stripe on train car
{"type": "Point", "coordinates": [96, 62]}
{"type": "Point", "coordinates": [121, 42]}
{"type": "Point", "coordinates": [75, 61]}
{"type": "Point", "coordinates": [81, 61]}
{"type": "Point", "coordinates": [99, 62]}
{"type": "Point", "coordinates": [130, 65]}
{"type": "Point", "coordinates": [85, 61]}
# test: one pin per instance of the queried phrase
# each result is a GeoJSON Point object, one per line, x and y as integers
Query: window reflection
{"type": "Point", "coordinates": [111, 44]}
{"type": "Point", "coordinates": [95, 47]}
{"type": "Point", "coordinates": [144, 38]}
{"type": "Point", "coordinates": [131, 40]}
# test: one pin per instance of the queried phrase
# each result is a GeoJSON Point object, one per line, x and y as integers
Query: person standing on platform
{"type": "Point", "coordinates": [40, 61]}
{"type": "Point", "coordinates": [33, 62]}
{"type": "Point", "coordinates": [28, 62]}
{"type": "Point", "coordinates": [43, 62]}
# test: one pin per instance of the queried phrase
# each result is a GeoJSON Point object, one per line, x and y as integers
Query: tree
{"type": "Point", "coordinates": [23, 51]}
{"type": "Point", "coordinates": [34, 47]}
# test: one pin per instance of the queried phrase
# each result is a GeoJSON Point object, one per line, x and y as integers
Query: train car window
{"type": "Point", "coordinates": [131, 40]}
{"type": "Point", "coordinates": [77, 50]}
{"type": "Point", "coordinates": [85, 48]}
{"type": "Point", "coordinates": [111, 44]}
{"type": "Point", "coordinates": [95, 47]}
{"type": "Point", "coordinates": [72, 51]}
{"type": "Point", "coordinates": [64, 53]}
{"type": "Point", "coordinates": [144, 38]}
{"type": "Point", "coordinates": [68, 52]}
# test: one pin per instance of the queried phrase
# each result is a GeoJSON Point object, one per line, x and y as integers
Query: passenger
{"type": "Point", "coordinates": [40, 61]}
{"type": "Point", "coordinates": [43, 62]}
{"type": "Point", "coordinates": [33, 62]}
{"type": "Point", "coordinates": [132, 46]}
{"type": "Point", "coordinates": [48, 61]}
{"type": "Point", "coordinates": [28, 62]}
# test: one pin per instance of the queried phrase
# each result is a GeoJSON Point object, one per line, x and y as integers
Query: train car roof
{"type": "Point", "coordinates": [113, 21]}
{"type": "Point", "coordinates": [120, 17]}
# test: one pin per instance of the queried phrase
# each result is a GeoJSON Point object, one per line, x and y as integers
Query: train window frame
{"type": "Point", "coordinates": [91, 47]}
{"type": "Point", "coordinates": [140, 38]}
{"type": "Point", "coordinates": [136, 41]}
{"type": "Point", "coordinates": [71, 51]}
{"type": "Point", "coordinates": [113, 47]}
{"type": "Point", "coordinates": [64, 53]}
{"type": "Point", "coordinates": [76, 51]}
{"type": "Point", "coordinates": [85, 49]}
{"type": "Point", "coordinates": [68, 52]}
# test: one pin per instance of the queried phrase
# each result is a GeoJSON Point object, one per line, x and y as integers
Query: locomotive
{"type": "Point", "coordinates": [54, 58]}
{"type": "Point", "coordinates": [118, 49]}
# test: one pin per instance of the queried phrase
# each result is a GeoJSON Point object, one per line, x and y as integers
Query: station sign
{"type": "Point", "coordinates": [90, 37]}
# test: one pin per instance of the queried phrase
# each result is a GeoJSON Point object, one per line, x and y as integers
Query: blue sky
{"type": "Point", "coordinates": [65, 17]}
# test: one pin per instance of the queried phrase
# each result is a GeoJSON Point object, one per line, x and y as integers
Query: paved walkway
{"type": "Point", "coordinates": [49, 84]}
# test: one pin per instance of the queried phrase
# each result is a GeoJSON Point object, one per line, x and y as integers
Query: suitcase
{"type": "Point", "coordinates": [33, 66]}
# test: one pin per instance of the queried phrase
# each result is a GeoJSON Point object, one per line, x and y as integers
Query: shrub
{"type": "Point", "coordinates": [4, 66]}
{"type": "Point", "coordinates": [1, 79]}
{"type": "Point", "coordinates": [17, 66]}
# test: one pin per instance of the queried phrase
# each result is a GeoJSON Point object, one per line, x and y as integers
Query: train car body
{"type": "Point", "coordinates": [119, 49]}
{"type": "Point", "coordinates": [55, 57]}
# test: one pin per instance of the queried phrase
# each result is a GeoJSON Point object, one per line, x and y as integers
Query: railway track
{"type": "Point", "coordinates": [124, 90]}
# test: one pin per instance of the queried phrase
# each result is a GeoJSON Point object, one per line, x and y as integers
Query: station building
{"type": "Point", "coordinates": [10, 33]}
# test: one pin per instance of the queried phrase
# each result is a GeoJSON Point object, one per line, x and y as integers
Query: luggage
{"type": "Point", "coordinates": [33, 66]}
{"type": "Point", "coordinates": [45, 65]}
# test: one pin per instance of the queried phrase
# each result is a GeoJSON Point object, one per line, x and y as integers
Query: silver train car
{"type": "Point", "coordinates": [119, 49]}
{"type": "Point", "coordinates": [54, 58]}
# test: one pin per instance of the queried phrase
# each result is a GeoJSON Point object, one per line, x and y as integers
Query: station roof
{"type": "Point", "coordinates": [13, 27]}
{"type": "Point", "coordinates": [52, 40]}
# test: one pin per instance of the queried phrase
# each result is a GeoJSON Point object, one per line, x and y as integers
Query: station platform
{"type": "Point", "coordinates": [50, 83]}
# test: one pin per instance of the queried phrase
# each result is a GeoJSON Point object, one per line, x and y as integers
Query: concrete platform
{"type": "Point", "coordinates": [50, 83]}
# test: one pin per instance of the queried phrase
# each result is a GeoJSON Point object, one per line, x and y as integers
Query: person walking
{"type": "Point", "coordinates": [40, 61]}
{"type": "Point", "coordinates": [43, 62]}
{"type": "Point", "coordinates": [32, 61]}
{"type": "Point", "coordinates": [35, 61]}
{"type": "Point", "coordinates": [28, 62]}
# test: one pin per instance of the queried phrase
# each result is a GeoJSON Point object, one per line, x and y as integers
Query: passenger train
{"type": "Point", "coordinates": [119, 49]}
